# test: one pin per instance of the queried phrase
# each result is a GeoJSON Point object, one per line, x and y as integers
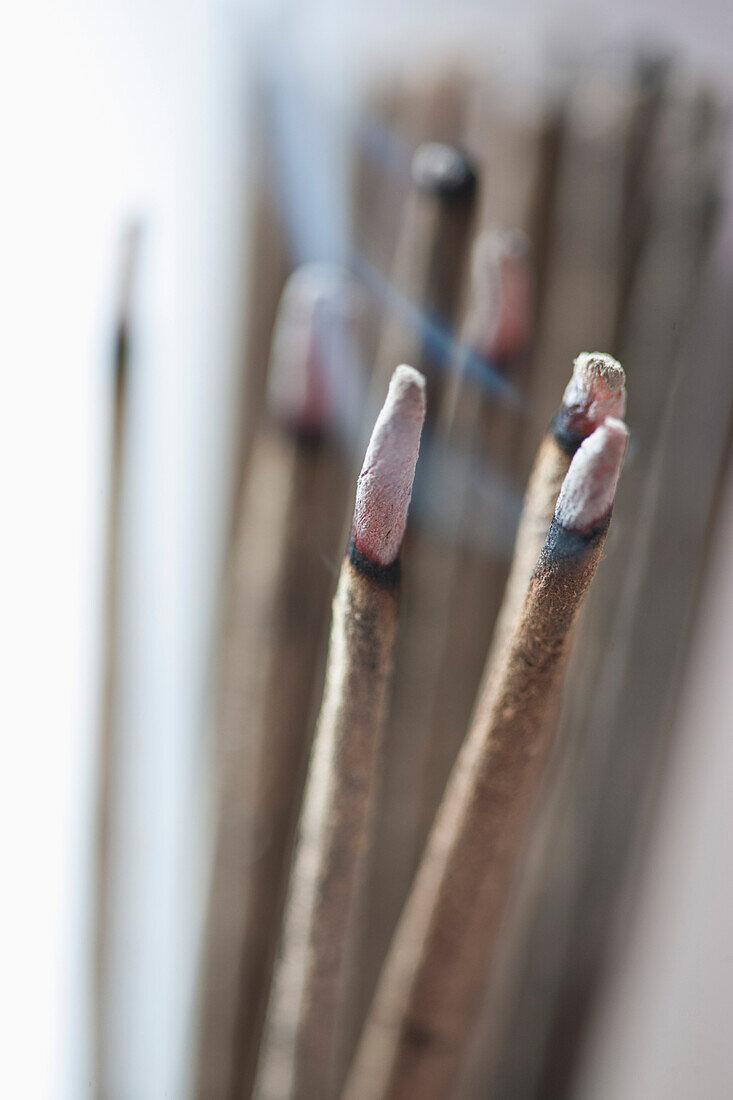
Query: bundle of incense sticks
{"type": "Point", "coordinates": [433, 754]}
{"type": "Point", "coordinates": [430, 987]}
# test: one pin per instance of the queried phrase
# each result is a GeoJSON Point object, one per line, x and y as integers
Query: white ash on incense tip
{"type": "Point", "coordinates": [385, 482]}
{"type": "Point", "coordinates": [589, 488]}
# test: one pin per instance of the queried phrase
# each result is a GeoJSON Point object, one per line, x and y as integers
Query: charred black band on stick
{"type": "Point", "coordinates": [430, 989]}
{"type": "Point", "coordinates": [301, 1042]}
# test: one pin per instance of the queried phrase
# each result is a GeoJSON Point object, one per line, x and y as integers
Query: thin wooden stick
{"type": "Point", "coordinates": [302, 1038]}
{"type": "Point", "coordinates": [430, 989]}
{"type": "Point", "coordinates": [274, 643]}
{"type": "Point", "coordinates": [108, 745]}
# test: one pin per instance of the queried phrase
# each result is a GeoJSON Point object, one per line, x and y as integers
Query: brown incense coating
{"type": "Point", "coordinates": [430, 988]}
{"type": "Point", "coordinates": [301, 1043]}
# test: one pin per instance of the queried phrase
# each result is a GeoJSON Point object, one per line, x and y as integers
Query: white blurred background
{"type": "Point", "coordinates": [114, 111]}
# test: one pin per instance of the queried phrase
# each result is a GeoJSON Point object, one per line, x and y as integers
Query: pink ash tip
{"type": "Point", "coordinates": [317, 318]}
{"type": "Point", "coordinates": [385, 482]}
{"type": "Point", "coordinates": [589, 488]}
{"type": "Point", "coordinates": [502, 295]}
{"type": "Point", "coordinates": [596, 390]}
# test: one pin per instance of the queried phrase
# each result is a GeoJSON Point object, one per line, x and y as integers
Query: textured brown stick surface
{"type": "Point", "coordinates": [278, 614]}
{"type": "Point", "coordinates": [549, 470]}
{"type": "Point", "coordinates": [430, 988]}
{"type": "Point", "coordinates": [301, 1042]}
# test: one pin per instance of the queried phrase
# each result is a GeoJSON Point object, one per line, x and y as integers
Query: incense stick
{"type": "Point", "coordinates": [274, 642]}
{"type": "Point", "coordinates": [302, 1039]}
{"type": "Point", "coordinates": [596, 390]}
{"type": "Point", "coordinates": [108, 746]}
{"type": "Point", "coordinates": [430, 988]}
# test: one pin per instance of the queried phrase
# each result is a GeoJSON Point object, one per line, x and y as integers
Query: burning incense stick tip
{"type": "Point", "coordinates": [385, 482]}
{"type": "Point", "coordinates": [589, 487]}
{"type": "Point", "coordinates": [443, 170]}
{"type": "Point", "coordinates": [596, 390]}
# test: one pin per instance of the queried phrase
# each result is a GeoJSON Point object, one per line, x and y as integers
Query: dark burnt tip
{"type": "Point", "coordinates": [566, 437]}
{"type": "Point", "coordinates": [563, 545]}
{"type": "Point", "coordinates": [386, 575]}
{"type": "Point", "coordinates": [443, 170]}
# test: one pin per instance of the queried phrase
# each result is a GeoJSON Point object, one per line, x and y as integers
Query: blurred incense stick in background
{"type": "Point", "coordinates": [429, 267]}
{"type": "Point", "coordinates": [482, 427]}
{"type": "Point", "coordinates": [108, 751]}
{"type": "Point", "coordinates": [429, 990]}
